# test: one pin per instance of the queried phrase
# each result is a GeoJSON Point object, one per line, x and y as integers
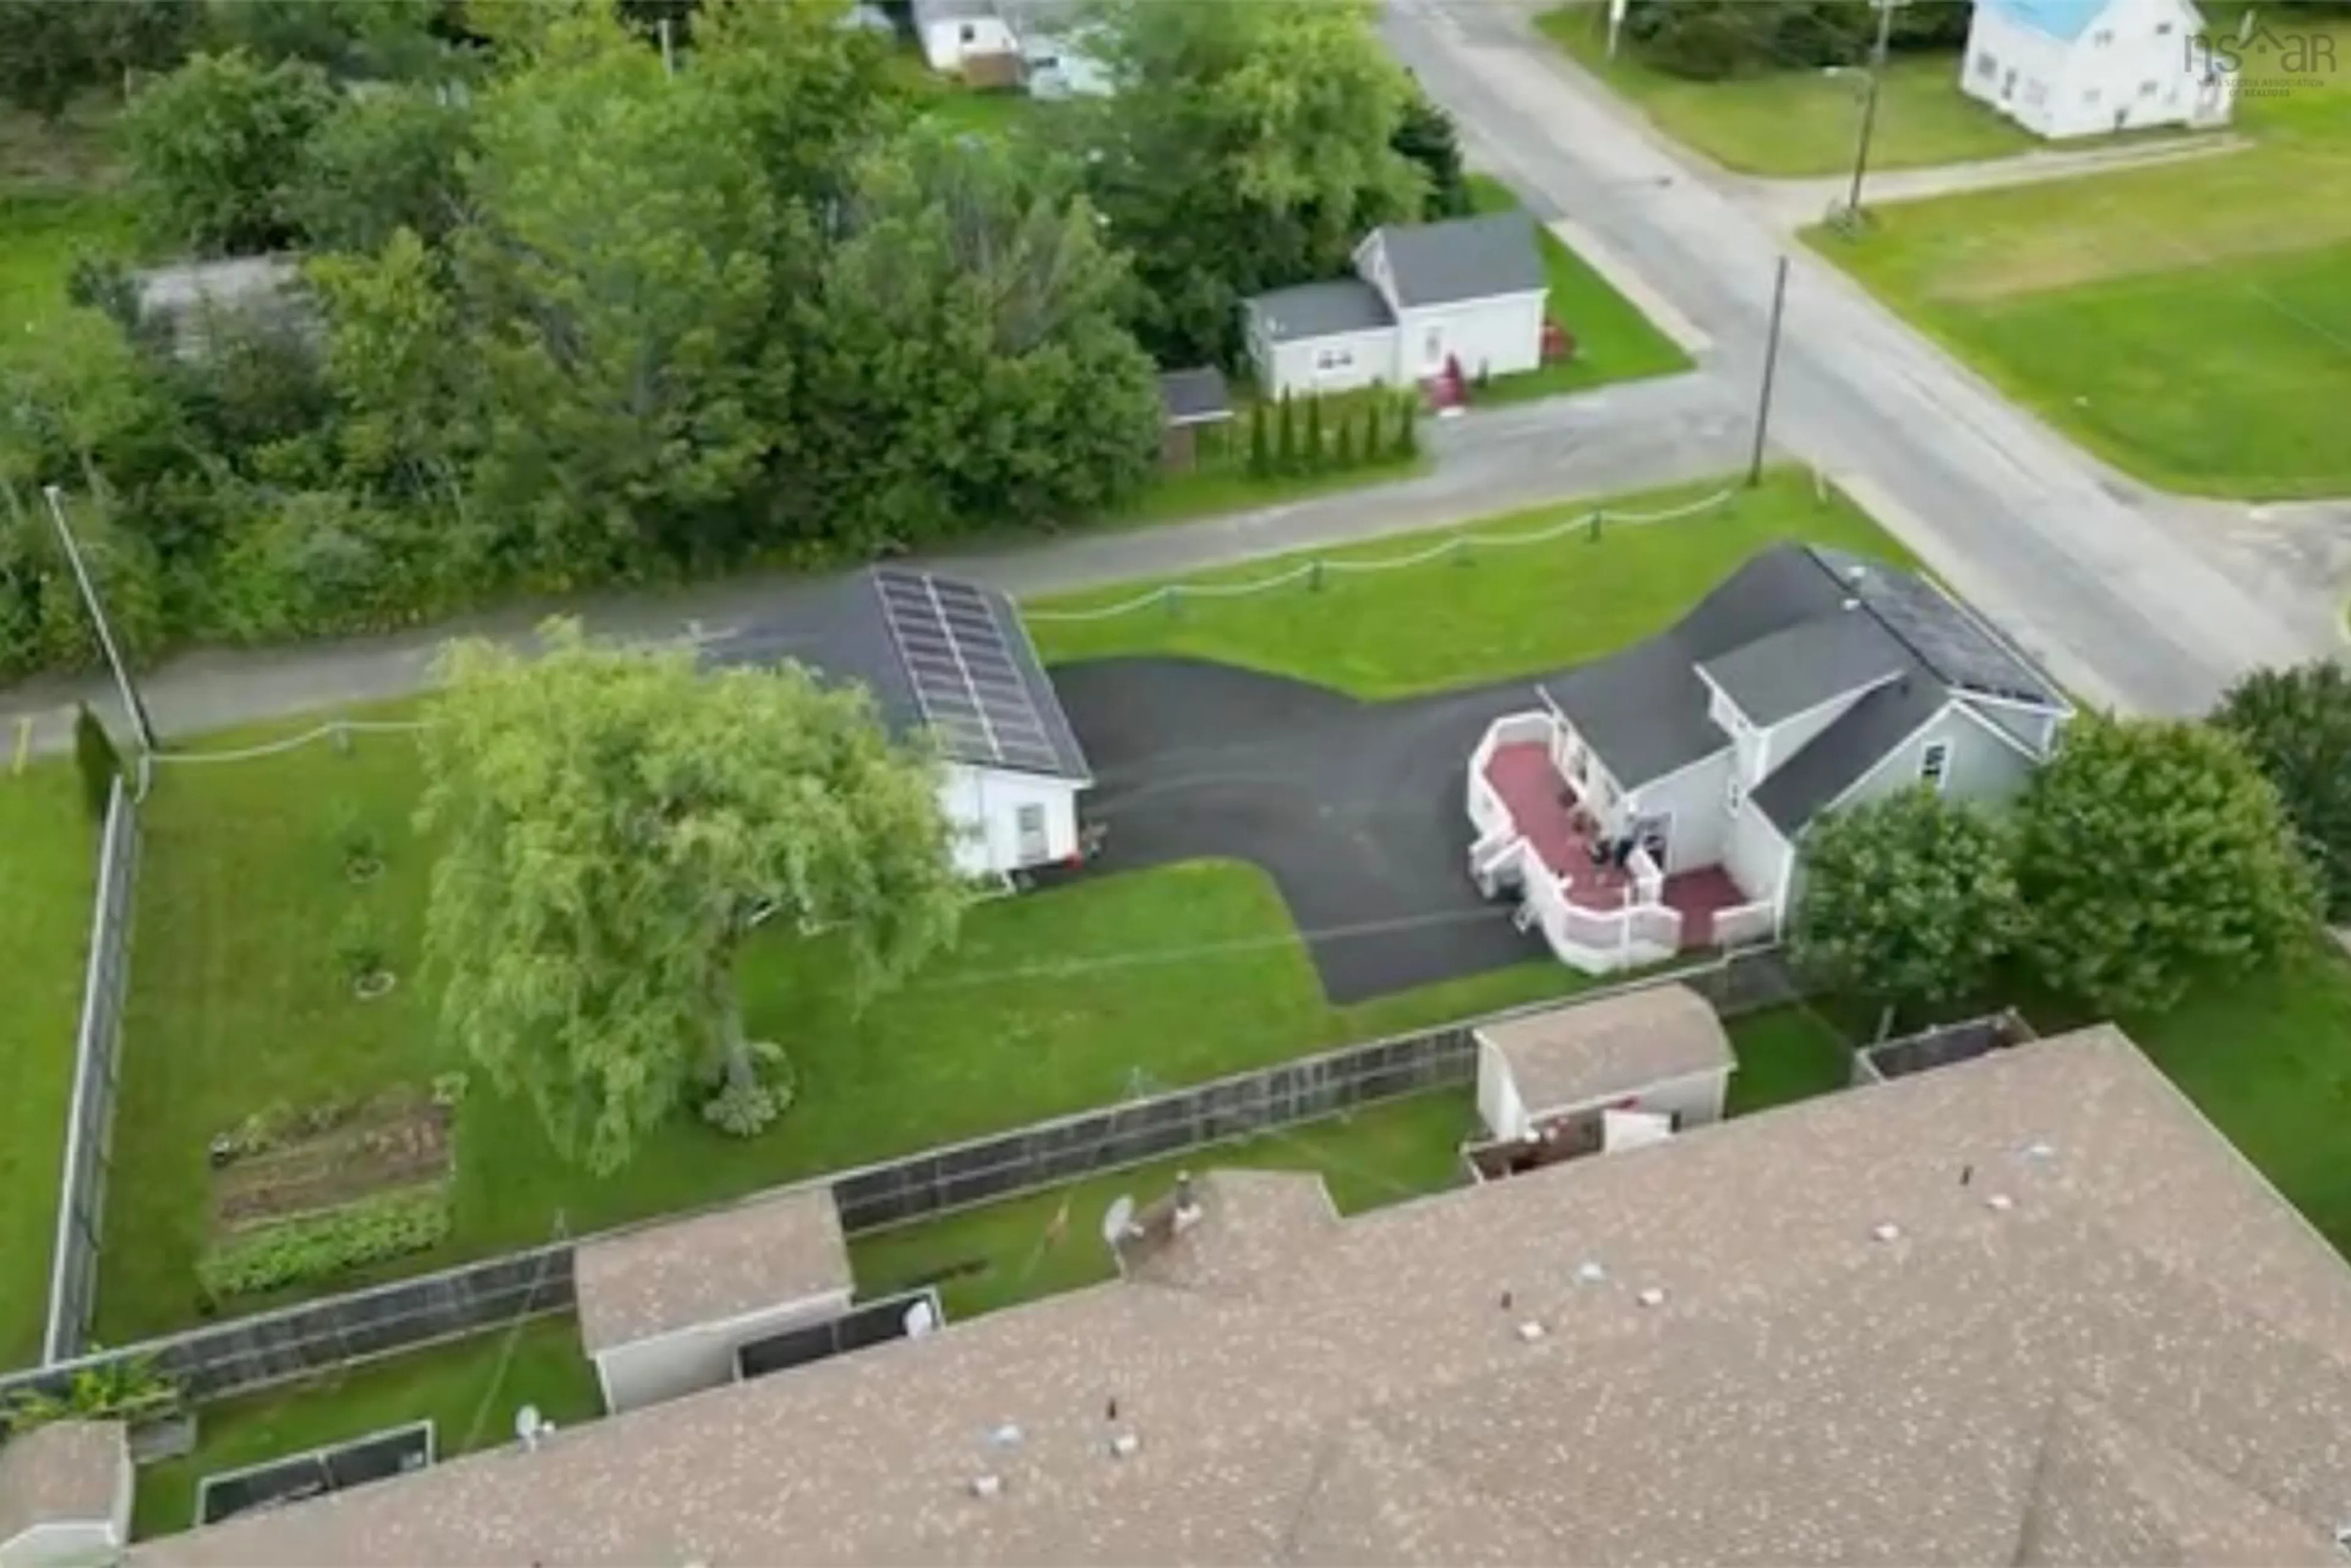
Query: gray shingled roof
{"type": "Point", "coordinates": [1577, 1052]}
{"type": "Point", "coordinates": [1463, 258]}
{"type": "Point", "coordinates": [1804, 1388]}
{"type": "Point", "coordinates": [1194, 396]}
{"type": "Point", "coordinates": [1321, 310]}
{"type": "Point", "coordinates": [1779, 635]}
{"type": "Point", "coordinates": [61, 1472]}
{"type": "Point", "coordinates": [839, 630]}
{"type": "Point", "coordinates": [1801, 666]}
{"type": "Point", "coordinates": [658, 1279]}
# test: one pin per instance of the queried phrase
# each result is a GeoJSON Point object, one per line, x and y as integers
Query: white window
{"type": "Point", "coordinates": [2163, 29]}
{"type": "Point", "coordinates": [967, 33]}
{"type": "Point", "coordinates": [2146, 89]}
{"type": "Point", "coordinates": [1986, 66]}
{"type": "Point", "coordinates": [1737, 796]}
{"type": "Point", "coordinates": [1332, 359]}
{"type": "Point", "coordinates": [1028, 826]}
{"type": "Point", "coordinates": [2091, 98]}
{"type": "Point", "coordinates": [2102, 37]}
{"type": "Point", "coordinates": [1934, 764]}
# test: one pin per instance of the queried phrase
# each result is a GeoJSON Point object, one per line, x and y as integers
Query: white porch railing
{"type": "Point", "coordinates": [1745, 924]}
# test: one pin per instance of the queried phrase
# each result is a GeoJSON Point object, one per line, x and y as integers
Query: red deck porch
{"type": "Point", "coordinates": [1547, 814]}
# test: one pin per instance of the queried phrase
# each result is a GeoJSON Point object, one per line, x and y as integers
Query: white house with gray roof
{"type": "Point", "coordinates": [1466, 291]}
{"type": "Point", "coordinates": [1658, 800]}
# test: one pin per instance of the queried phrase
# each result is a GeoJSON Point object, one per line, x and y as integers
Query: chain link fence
{"type": "Point", "coordinates": [90, 1123]}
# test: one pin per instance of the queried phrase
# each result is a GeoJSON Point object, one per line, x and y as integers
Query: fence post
{"type": "Point", "coordinates": [1592, 528]}
{"type": "Point", "coordinates": [1462, 550]}
{"type": "Point", "coordinates": [1315, 576]}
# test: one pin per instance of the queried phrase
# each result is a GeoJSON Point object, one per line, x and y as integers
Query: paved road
{"type": "Point", "coordinates": [2126, 605]}
{"type": "Point", "coordinates": [1615, 439]}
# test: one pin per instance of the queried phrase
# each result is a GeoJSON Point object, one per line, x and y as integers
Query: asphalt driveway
{"type": "Point", "coordinates": [1354, 809]}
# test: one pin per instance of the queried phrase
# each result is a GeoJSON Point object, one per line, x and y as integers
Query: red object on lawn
{"type": "Point", "coordinates": [1558, 342]}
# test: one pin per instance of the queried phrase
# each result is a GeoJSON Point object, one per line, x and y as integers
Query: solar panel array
{"type": "Point", "coordinates": [967, 681]}
{"type": "Point", "coordinates": [1946, 639]}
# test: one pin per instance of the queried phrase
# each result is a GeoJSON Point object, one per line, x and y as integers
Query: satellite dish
{"type": "Point", "coordinates": [920, 1320]}
{"type": "Point", "coordinates": [1120, 1220]}
{"type": "Point", "coordinates": [529, 1425]}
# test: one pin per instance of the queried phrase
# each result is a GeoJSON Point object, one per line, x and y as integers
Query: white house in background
{"type": "Point", "coordinates": [65, 1496]}
{"type": "Point", "coordinates": [2090, 67]}
{"type": "Point", "coordinates": [951, 660]}
{"type": "Point", "coordinates": [1655, 801]}
{"type": "Point", "coordinates": [1465, 290]}
{"type": "Point", "coordinates": [1585, 1077]}
{"type": "Point", "coordinates": [663, 1309]}
{"type": "Point", "coordinates": [958, 36]}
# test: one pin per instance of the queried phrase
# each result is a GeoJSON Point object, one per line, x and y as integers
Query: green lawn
{"type": "Point", "coordinates": [1009, 1253]}
{"type": "Point", "coordinates": [1614, 342]}
{"type": "Point", "coordinates": [469, 1390]}
{"type": "Point", "coordinates": [1786, 1055]}
{"type": "Point", "coordinates": [47, 874]}
{"type": "Point", "coordinates": [2190, 322]}
{"type": "Point", "coordinates": [41, 232]}
{"type": "Point", "coordinates": [1496, 613]}
{"type": "Point", "coordinates": [1797, 122]}
{"type": "Point", "coordinates": [1051, 1005]}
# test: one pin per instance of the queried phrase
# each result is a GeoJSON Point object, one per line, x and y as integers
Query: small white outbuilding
{"type": "Point", "coordinates": [1612, 1073]}
{"type": "Point", "coordinates": [664, 1308]}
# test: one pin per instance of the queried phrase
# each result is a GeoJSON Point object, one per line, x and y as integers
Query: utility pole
{"type": "Point", "coordinates": [669, 55]}
{"type": "Point", "coordinates": [1869, 108]}
{"type": "Point", "coordinates": [1770, 368]}
{"type": "Point", "coordinates": [132, 705]}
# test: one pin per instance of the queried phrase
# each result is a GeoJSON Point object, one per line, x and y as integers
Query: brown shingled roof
{"type": "Point", "coordinates": [1578, 1052]}
{"type": "Point", "coordinates": [1760, 1373]}
{"type": "Point", "coordinates": [658, 1279]}
{"type": "Point", "coordinates": [61, 1471]}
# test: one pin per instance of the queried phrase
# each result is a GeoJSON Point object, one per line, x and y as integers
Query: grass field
{"type": "Point", "coordinates": [1786, 1055]}
{"type": "Point", "coordinates": [469, 1390]}
{"type": "Point", "coordinates": [1796, 122]}
{"type": "Point", "coordinates": [57, 200]}
{"type": "Point", "coordinates": [1497, 612]}
{"type": "Point", "coordinates": [47, 872]}
{"type": "Point", "coordinates": [2190, 323]}
{"type": "Point", "coordinates": [1614, 342]}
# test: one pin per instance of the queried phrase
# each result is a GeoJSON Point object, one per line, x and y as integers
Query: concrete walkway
{"type": "Point", "coordinates": [1635, 436]}
{"type": "Point", "coordinates": [1792, 205]}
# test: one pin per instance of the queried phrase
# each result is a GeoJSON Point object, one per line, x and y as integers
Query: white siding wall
{"type": "Point", "coordinates": [1983, 767]}
{"type": "Point", "coordinates": [985, 804]}
{"type": "Point", "coordinates": [1498, 336]}
{"type": "Point", "coordinates": [1297, 367]}
{"type": "Point", "coordinates": [651, 1370]}
{"type": "Point", "coordinates": [2132, 67]}
{"type": "Point", "coordinates": [1698, 798]}
{"type": "Point", "coordinates": [1499, 1105]}
{"type": "Point", "coordinates": [1696, 1099]}
{"type": "Point", "coordinates": [2019, 70]}
{"type": "Point", "coordinates": [945, 44]}
{"type": "Point", "coordinates": [1756, 855]}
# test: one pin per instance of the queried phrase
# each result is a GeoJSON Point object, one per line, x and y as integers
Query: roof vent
{"type": "Point", "coordinates": [1125, 1444]}
{"type": "Point", "coordinates": [1590, 1273]}
{"type": "Point", "coordinates": [2000, 1202]}
{"type": "Point", "coordinates": [987, 1485]}
{"type": "Point", "coordinates": [1851, 604]}
{"type": "Point", "coordinates": [2041, 1149]}
{"type": "Point", "coordinates": [1652, 1296]}
{"type": "Point", "coordinates": [1530, 1330]}
{"type": "Point", "coordinates": [1006, 1437]}
{"type": "Point", "coordinates": [1856, 574]}
{"type": "Point", "coordinates": [1886, 1231]}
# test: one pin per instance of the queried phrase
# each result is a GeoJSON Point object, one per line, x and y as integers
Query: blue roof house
{"type": "Point", "coordinates": [2090, 67]}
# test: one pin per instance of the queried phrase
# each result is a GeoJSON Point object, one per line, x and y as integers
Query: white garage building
{"type": "Point", "coordinates": [664, 1308]}
{"type": "Point", "coordinates": [951, 659]}
{"type": "Point", "coordinates": [1585, 1075]}
{"type": "Point", "coordinates": [1466, 291]}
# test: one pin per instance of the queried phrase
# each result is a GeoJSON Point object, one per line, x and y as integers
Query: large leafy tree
{"type": "Point", "coordinates": [614, 823]}
{"type": "Point", "coordinates": [968, 362]}
{"type": "Point", "coordinates": [2296, 724]}
{"type": "Point", "coordinates": [1907, 899]}
{"type": "Point", "coordinates": [383, 161]}
{"type": "Point", "coordinates": [52, 49]}
{"type": "Point", "coordinates": [215, 147]}
{"type": "Point", "coordinates": [1247, 146]}
{"type": "Point", "coordinates": [396, 363]}
{"type": "Point", "coordinates": [2151, 850]}
{"type": "Point", "coordinates": [621, 262]}
{"type": "Point", "coordinates": [1426, 135]}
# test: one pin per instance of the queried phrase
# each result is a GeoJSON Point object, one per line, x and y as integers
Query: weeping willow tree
{"type": "Point", "coordinates": [614, 823]}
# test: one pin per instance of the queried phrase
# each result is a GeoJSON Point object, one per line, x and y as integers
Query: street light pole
{"type": "Point", "coordinates": [1770, 369]}
{"type": "Point", "coordinates": [132, 705]}
{"type": "Point", "coordinates": [1869, 108]}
